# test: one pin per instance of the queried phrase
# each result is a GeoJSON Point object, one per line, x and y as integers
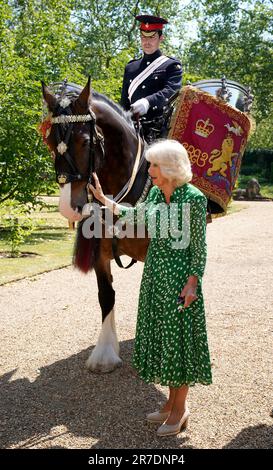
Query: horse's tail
{"type": "Point", "coordinates": [85, 251]}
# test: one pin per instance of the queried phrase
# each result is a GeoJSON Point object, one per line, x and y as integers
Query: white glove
{"type": "Point", "coordinates": [140, 106]}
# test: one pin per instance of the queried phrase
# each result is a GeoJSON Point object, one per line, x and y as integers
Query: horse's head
{"type": "Point", "coordinates": [70, 132]}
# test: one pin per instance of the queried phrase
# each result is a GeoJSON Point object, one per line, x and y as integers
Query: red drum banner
{"type": "Point", "coordinates": [215, 135]}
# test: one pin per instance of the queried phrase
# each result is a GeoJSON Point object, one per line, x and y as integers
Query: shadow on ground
{"type": "Point", "coordinates": [253, 437]}
{"type": "Point", "coordinates": [109, 409]}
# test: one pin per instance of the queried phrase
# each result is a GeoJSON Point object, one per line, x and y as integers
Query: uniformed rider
{"type": "Point", "coordinates": [150, 82]}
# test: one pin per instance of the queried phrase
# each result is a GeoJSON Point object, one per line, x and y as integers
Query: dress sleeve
{"type": "Point", "coordinates": [198, 245]}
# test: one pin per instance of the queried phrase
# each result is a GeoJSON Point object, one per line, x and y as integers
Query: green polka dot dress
{"type": "Point", "coordinates": [171, 346]}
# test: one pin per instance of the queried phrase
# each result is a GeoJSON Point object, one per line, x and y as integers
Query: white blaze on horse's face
{"type": "Point", "coordinates": [65, 205]}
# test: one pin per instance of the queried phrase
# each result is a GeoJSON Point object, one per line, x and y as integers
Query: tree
{"type": "Point", "coordinates": [53, 40]}
{"type": "Point", "coordinates": [235, 39]}
{"type": "Point", "coordinates": [106, 29]}
{"type": "Point", "coordinates": [108, 37]}
{"type": "Point", "coordinates": [35, 45]}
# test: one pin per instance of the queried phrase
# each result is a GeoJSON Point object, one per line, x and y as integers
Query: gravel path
{"type": "Point", "coordinates": [49, 324]}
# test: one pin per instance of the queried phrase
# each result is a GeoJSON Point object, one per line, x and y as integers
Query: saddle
{"type": "Point", "coordinates": [159, 127]}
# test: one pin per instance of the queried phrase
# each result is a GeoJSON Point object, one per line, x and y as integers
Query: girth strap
{"type": "Point", "coordinates": [116, 255]}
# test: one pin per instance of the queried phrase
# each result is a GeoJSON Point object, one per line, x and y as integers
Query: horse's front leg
{"type": "Point", "coordinates": [105, 355]}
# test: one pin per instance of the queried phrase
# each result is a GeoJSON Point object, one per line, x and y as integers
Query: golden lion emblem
{"type": "Point", "coordinates": [220, 159]}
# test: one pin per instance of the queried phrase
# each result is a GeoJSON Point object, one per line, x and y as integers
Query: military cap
{"type": "Point", "coordinates": [149, 24]}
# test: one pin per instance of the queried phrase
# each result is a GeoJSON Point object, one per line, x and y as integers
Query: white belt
{"type": "Point", "coordinates": [145, 74]}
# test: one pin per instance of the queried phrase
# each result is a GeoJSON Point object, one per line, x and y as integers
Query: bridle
{"type": "Point", "coordinates": [96, 138]}
{"type": "Point", "coordinates": [63, 137]}
{"type": "Point", "coordinates": [63, 126]}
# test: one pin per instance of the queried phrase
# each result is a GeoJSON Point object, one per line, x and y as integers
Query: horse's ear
{"type": "Point", "coordinates": [85, 95]}
{"type": "Point", "coordinates": [50, 99]}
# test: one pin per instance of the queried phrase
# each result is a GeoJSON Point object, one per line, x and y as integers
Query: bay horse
{"type": "Point", "coordinates": [88, 133]}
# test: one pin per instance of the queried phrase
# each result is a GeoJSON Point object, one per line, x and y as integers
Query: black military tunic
{"type": "Point", "coordinates": [157, 88]}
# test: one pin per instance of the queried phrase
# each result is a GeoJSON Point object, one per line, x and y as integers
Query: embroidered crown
{"type": "Point", "coordinates": [204, 128]}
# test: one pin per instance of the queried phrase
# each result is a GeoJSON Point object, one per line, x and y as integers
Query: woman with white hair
{"type": "Point", "coordinates": [171, 345]}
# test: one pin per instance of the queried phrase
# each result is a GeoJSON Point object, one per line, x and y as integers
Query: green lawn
{"type": "Point", "coordinates": [51, 241]}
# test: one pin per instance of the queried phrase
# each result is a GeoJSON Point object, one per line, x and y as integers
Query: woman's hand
{"type": "Point", "coordinates": [189, 291]}
{"type": "Point", "coordinates": [97, 191]}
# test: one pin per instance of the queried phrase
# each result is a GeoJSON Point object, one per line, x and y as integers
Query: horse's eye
{"type": "Point", "coordinates": [85, 143]}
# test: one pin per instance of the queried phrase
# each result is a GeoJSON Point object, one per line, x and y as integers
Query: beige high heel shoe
{"type": "Point", "coordinates": [157, 417]}
{"type": "Point", "coordinates": [172, 429]}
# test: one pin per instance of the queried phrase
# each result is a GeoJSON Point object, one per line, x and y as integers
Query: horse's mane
{"type": "Point", "coordinates": [115, 106]}
{"type": "Point", "coordinates": [71, 90]}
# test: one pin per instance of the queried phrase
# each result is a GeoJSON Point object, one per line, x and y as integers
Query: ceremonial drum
{"type": "Point", "coordinates": [211, 120]}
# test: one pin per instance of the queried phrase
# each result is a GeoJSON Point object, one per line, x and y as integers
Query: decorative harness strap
{"type": "Point", "coordinates": [134, 173]}
{"type": "Point", "coordinates": [62, 147]}
{"type": "Point", "coordinates": [64, 119]}
{"type": "Point", "coordinates": [145, 74]}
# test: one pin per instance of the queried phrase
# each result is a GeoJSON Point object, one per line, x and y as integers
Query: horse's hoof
{"type": "Point", "coordinates": [106, 369]}
{"type": "Point", "coordinates": [103, 367]}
